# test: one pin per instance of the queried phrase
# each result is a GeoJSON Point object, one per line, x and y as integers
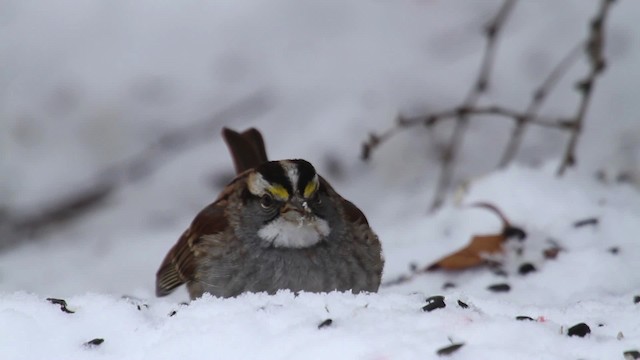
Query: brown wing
{"type": "Point", "coordinates": [247, 148]}
{"type": "Point", "coordinates": [351, 212]}
{"type": "Point", "coordinates": [179, 266]}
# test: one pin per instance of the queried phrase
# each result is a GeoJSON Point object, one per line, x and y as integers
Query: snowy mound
{"type": "Point", "coordinates": [311, 326]}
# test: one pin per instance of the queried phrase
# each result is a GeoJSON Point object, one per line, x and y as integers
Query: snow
{"type": "Point", "coordinates": [87, 84]}
{"type": "Point", "coordinates": [286, 326]}
{"type": "Point", "coordinates": [585, 283]}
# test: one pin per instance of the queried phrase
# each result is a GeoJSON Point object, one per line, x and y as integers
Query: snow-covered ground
{"type": "Point", "coordinates": [588, 282]}
{"type": "Point", "coordinates": [87, 84]}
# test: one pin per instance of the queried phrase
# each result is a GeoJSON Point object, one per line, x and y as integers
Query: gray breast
{"type": "Point", "coordinates": [325, 267]}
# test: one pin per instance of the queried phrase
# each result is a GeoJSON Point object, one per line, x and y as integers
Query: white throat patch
{"type": "Point", "coordinates": [284, 233]}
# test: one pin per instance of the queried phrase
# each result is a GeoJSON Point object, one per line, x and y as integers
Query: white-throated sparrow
{"type": "Point", "coordinates": [276, 225]}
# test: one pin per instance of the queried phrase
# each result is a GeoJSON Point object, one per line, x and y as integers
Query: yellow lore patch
{"type": "Point", "coordinates": [279, 192]}
{"type": "Point", "coordinates": [311, 188]}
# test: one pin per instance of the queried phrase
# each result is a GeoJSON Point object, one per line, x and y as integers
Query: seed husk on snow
{"type": "Point", "coordinates": [522, 318]}
{"type": "Point", "coordinates": [526, 268]}
{"type": "Point", "coordinates": [580, 330]}
{"type": "Point", "coordinates": [448, 350]}
{"type": "Point", "coordinates": [434, 302]}
{"type": "Point", "coordinates": [448, 285]}
{"type": "Point", "coordinates": [325, 323]}
{"type": "Point", "coordinates": [94, 342]}
{"type": "Point", "coordinates": [62, 303]}
{"type": "Point", "coordinates": [588, 221]}
{"type": "Point", "coordinates": [631, 355]}
{"type": "Point", "coordinates": [514, 232]}
{"type": "Point", "coordinates": [499, 288]}
{"type": "Point", "coordinates": [551, 253]}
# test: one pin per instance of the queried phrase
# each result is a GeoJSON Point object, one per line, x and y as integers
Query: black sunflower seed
{"type": "Point", "coordinates": [434, 302]}
{"type": "Point", "coordinates": [514, 232]}
{"type": "Point", "coordinates": [448, 350]}
{"type": "Point", "coordinates": [499, 288]}
{"type": "Point", "coordinates": [584, 222]}
{"type": "Point", "coordinates": [631, 355]}
{"type": "Point", "coordinates": [580, 330]}
{"type": "Point", "coordinates": [526, 268]}
{"type": "Point", "coordinates": [448, 285]}
{"type": "Point", "coordinates": [325, 323]}
{"type": "Point", "coordinates": [94, 342]}
{"type": "Point", "coordinates": [62, 303]}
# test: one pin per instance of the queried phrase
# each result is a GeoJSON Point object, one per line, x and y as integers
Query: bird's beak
{"type": "Point", "coordinates": [295, 210]}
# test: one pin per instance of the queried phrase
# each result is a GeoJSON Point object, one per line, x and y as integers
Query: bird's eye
{"type": "Point", "coordinates": [266, 201]}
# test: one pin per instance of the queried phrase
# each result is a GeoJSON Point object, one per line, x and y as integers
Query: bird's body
{"type": "Point", "coordinates": [275, 226]}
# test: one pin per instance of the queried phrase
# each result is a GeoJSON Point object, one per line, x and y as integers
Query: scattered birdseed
{"type": "Point", "coordinates": [448, 350]}
{"type": "Point", "coordinates": [62, 303]}
{"type": "Point", "coordinates": [448, 285]}
{"type": "Point", "coordinates": [463, 304]}
{"type": "Point", "coordinates": [499, 288]}
{"type": "Point", "coordinates": [631, 355]}
{"type": "Point", "coordinates": [526, 268]}
{"type": "Point", "coordinates": [94, 342]}
{"type": "Point", "coordinates": [514, 232]}
{"type": "Point", "coordinates": [551, 253]}
{"type": "Point", "coordinates": [523, 318]}
{"type": "Point", "coordinates": [580, 330]}
{"type": "Point", "coordinates": [325, 323]}
{"type": "Point", "coordinates": [434, 302]}
{"type": "Point", "coordinates": [589, 221]}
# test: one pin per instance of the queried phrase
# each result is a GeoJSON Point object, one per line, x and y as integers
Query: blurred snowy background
{"type": "Point", "coordinates": [88, 85]}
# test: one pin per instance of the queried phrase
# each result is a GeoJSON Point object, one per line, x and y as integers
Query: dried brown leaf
{"type": "Point", "coordinates": [472, 255]}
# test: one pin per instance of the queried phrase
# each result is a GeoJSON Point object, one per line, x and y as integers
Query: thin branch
{"type": "Point", "coordinates": [461, 114]}
{"type": "Point", "coordinates": [595, 54]}
{"type": "Point", "coordinates": [538, 98]}
{"type": "Point", "coordinates": [494, 111]}
{"type": "Point", "coordinates": [492, 32]}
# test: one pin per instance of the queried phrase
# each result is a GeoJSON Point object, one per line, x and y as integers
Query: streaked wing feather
{"type": "Point", "coordinates": [351, 212]}
{"type": "Point", "coordinates": [179, 266]}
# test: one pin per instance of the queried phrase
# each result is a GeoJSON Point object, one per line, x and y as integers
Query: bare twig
{"type": "Point", "coordinates": [480, 86]}
{"type": "Point", "coordinates": [492, 32]}
{"type": "Point", "coordinates": [469, 108]}
{"type": "Point", "coordinates": [495, 111]}
{"type": "Point", "coordinates": [538, 98]}
{"type": "Point", "coordinates": [595, 54]}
